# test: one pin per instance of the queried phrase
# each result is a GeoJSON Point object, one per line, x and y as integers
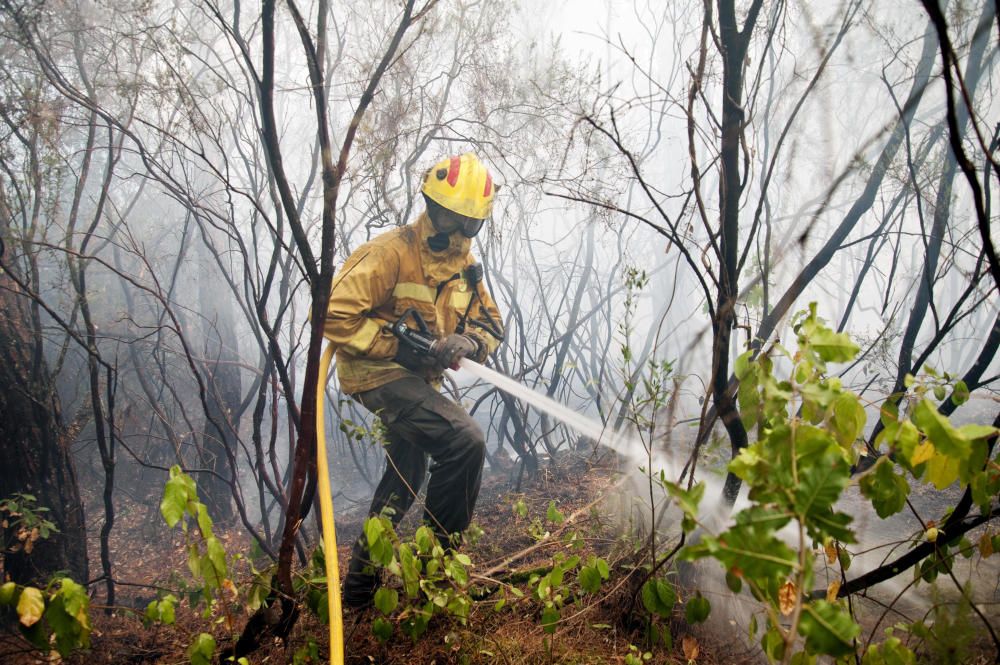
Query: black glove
{"type": "Point", "coordinates": [449, 350]}
{"type": "Point", "coordinates": [418, 362]}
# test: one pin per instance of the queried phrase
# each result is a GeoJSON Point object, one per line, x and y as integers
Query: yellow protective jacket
{"type": "Point", "coordinates": [381, 280]}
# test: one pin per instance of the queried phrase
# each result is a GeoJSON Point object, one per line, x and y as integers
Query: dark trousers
{"type": "Point", "coordinates": [420, 422]}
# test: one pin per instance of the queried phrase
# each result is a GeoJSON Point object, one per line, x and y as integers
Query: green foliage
{"type": "Point", "coordinates": [808, 436]}
{"type": "Point", "coordinates": [201, 650]}
{"type": "Point", "coordinates": [21, 515]}
{"type": "Point", "coordinates": [886, 489]}
{"type": "Point", "coordinates": [208, 564]}
{"type": "Point", "coordinates": [697, 609]}
{"type": "Point", "coordinates": [658, 597]}
{"type": "Point", "coordinates": [948, 633]}
{"type": "Point", "coordinates": [306, 654]}
{"type": "Point", "coordinates": [637, 656]}
{"type": "Point", "coordinates": [807, 426]}
{"type": "Point", "coordinates": [890, 652]}
{"type": "Point", "coordinates": [161, 611]}
{"type": "Point", "coordinates": [58, 616]}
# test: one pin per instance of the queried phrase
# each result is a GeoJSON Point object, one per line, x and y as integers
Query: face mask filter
{"type": "Point", "coordinates": [472, 227]}
{"type": "Point", "coordinates": [439, 242]}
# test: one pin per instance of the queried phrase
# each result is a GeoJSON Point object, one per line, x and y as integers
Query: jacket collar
{"type": "Point", "coordinates": [440, 266]}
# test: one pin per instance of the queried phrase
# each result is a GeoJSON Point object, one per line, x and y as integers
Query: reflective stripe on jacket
{"type": "Point", "coordinates": [381, 280]}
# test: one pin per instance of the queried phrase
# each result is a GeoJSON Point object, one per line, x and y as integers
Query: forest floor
{"type": "Point", "coordinates": [595, 628]}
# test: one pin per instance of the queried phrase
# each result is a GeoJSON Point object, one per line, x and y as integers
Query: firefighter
{"type": "Point", "coordinates": [426, 266]}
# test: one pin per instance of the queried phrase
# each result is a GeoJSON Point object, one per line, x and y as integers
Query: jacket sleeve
{"type": "Point", "coordinates": [363, 284]}
{"type": "Point", "coordinates": [485, 304]}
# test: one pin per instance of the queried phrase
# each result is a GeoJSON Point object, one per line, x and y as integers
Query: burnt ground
{"type": "Point", "coordinates": [595, 629]}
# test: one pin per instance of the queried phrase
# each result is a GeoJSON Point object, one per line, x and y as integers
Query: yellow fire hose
{"type": "Point", "coordinates": [326, 517]}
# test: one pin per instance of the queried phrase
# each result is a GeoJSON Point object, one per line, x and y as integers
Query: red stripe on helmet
{"type": "Point", "coordinates": [456, 163]}
{"type": "Point", "coordinates": [489, 186]}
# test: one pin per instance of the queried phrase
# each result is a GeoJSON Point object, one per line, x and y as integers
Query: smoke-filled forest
{"type": "Point", "coordinates": [714, 381]}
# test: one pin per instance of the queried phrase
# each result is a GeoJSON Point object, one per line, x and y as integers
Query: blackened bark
{"type": "Point", "coordinates": [35, 448]}
{"type": "Point", "coordinates": [734, 50]}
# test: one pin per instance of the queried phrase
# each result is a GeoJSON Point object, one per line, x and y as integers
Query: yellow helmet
{"type": "Point", "coordinates": [461, 184]}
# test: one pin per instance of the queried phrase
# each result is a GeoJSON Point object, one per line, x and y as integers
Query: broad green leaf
{"type": "Point", "coordinates": [204, 521]}
{"type": "Point", "coordinates": [217, 555]}
{"type": "Point", "coordinates": [687, 500]}
{"type": "Point", "coordinates": [550, 615]}
{"type": "Point", "coordinates": [425, 540]}
{"type": "Point", "coordinates": [174, 501]}
{"type": "Point", "coordinates": [960, 394]}
{"type": "Point", "coordinates": [823, 473]}
{"type": "Point", "coordinates": [848, 419]}
{"type": "Point", "coordinates": [828, 629]}
{"type": "Point", "coordinates": [589, 579]}
{"type": "Point", "coordinates": [658, 597]}
{"type": "Point", "coordinates": [832, 346]}
{"type": "Point", "coordinates": [67, 615]}
{"type": "Point", "coordinates": [886, 489]}
{"type": "Point", "coordinates": [382, 629]}
{"type": "Point", "coordinates": [202, 649]}
{"type": "Point", "coordinates": [773, 644]}
{"type": "Point", "coordinates": [942, 471]}
{"type": "Point", "coordinates": [458, 572]}
{"type": "Point", "coordinates": [30, 606]}
{"type": "Point", "coordinates": [946, 439]}
{"type": "Point", "coordinates": [697, 609]}
{"type": "Point", "coordinates": [8, 592]}
{"type": "Point", "coordinates": [602, 568]}
{"type": "Point", "coordinates": [373, 529]}
{"type": "Point", "coordinates": [386, 600]}
{"type": "Point", "coordinates": [973, 431]}
{"type": "Point", "coordinates": [553, 514]}
{"type": "Point", "coordinates": [665, 592]}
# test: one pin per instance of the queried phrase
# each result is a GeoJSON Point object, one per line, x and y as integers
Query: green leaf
{"type": "Point", "coordinates": [553, 515]}
{"type": "Point", "coordinates": [174, 501]}
{"type": "Point", "coordinates": [386, 600]}
{"type": "Point", "coordinates": [457, 572]}
{"type": "Point", "coordinates": [832, 346]}
{"type": "Point", "coordinates": [204, 521]}
{"type": "Point", "coordinates": [658, 597]}
{"type": "Point", "coordinates": [30, 606]}
{"type": "Point", "coordinates": [773, 645]}
{"type": "Point", "coordinates": [848, 419]}
{"type": "Point", "coordinates": [886, 489]}
{"type": "Point", "coordinates": [589, 579]}
{"type": "Point", "coordinates": [425, 540]}
{"type": "Point", "coordinates": [550, 615]}
{"type": "Point", "coordinates": [828, 629]}
{"type": "Point", "coordinates": [687, 500]}
{"type": "Point", "coordinates": [946, 439]}
{"type": "Point", "coordinates": [960, 394]}
{"type": "Point", "coordinates": [697, 609]}
{"type": "Point", "coordinates": [217, 555]}
{"type": "Point", "coordinates": [8, 592]}
{"type": "Point", "coordinates": [381, 629]}
{"type": "Point", "coordinates": [665, 592]}
{"type": "Point", "coordinates": [202, 649]}
{"type": "Point", "coordinates": [890, 652]}
{"type": "Point", "coordinates": [602, 568]}
{"type": "Point", "coordinates": [942, 470]}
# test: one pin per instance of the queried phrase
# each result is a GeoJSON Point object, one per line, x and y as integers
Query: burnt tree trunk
{"type": "Point", "coordinates": [35, 447]}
